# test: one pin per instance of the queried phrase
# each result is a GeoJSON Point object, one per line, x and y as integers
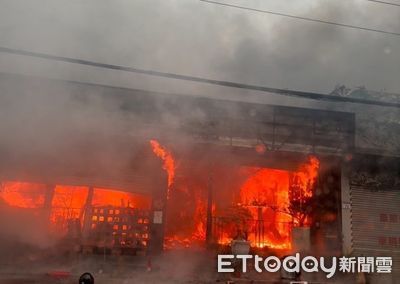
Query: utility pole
{"type": "Point", "coordinates": [209, 208]}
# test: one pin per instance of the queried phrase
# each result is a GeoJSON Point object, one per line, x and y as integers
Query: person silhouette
{"type": "Point", "coordinates": [86, 278]}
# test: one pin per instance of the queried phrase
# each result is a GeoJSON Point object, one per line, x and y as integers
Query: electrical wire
{"type": "Point", "coordinates": [384, 3]}
{"type": "Point", "coordinates": [301, 18]}
{"type": "Point", "coordinates": [292, 93]}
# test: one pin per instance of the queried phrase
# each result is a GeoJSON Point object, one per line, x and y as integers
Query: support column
{"type": "Point", "coordinates": [209, 212]}
{"type": "Point", "coordinates": [48, 200]}
{"type": "Point", "coordinates": [87, 213]}
{"type": "Point", "coordinates": [346, 209]}
{"type": "Point", "coordinates": [158, 217]}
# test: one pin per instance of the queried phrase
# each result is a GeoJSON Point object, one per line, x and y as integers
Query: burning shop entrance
{"type": "Point", "coordinates": [270, 203]}
{"type": "Point", "coordinates": [113, 219]}
{"type": "Point", "coordinates": [77, 209]}
{"type": "Point", "coordinates": [229, 195]}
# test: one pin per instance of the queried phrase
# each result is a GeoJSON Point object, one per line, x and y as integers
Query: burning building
{"type": "Point", "coordinates": [128, 171]}
{"type": "Point", "coordinates": [171, 171]}
{"type": "Point", "coordinates": [120, 171]}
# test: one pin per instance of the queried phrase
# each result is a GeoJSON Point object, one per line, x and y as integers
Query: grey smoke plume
{"type": "Point", "coordinates": [191, 37]}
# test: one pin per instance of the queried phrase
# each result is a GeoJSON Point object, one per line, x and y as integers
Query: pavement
{"type": "Point", "coordinates": [179, 266]}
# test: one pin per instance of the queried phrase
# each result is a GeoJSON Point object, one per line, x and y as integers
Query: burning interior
{"type": "Point", "coordinates": [256, 203]}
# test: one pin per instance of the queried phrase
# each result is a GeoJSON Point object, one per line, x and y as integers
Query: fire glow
{"type": "Point", "coordinates": [186, 218]}
{"type": "Point", "coordinates": [67, 202]}
{"type": "Point", "coordinates": [265, 206]}
{"type": "Point", "coordinates": [265, 195]}
{"type": "Point", "coordinates": [271, 202]}
{"type": "Point", "coordinates": [23, 194]}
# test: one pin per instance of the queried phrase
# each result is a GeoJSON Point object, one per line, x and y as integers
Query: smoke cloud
{"type": "Point", "coordinates": [196, 38]}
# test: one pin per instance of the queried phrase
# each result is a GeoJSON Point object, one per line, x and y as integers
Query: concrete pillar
{"type": "Point", "coordinates": [48, 200]}
{"type": "Point", "coordinates": [87, 213]}
{"type": "Point", "coordinates": [209, 212]}
{"type": "Point", "coordinates": [346, 209]}
{"type": "Point", "coordinates": [158, 217]}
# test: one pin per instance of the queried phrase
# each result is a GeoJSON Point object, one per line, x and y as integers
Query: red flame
{"type": "Point", "coordinates": [267, 210]}
{"type": "Point", "coordinates": [168, 161]}
{"type": "Point", "coordinates": [187, 215]}
{"type": "Point", "coordinates": [109, 197]}
{"type": "Point", "coordinates": [307, 175]}
{"type": "Point", "coordinates": [265, 195]}
{"type": "Point", "coordinates": [264, 198]}
{"type": "Point", "coordinates": [67, 204]}
{"type": "Point", "coordinates": [199, 216]}
{"type": "Point", "coordinates": [23, 194]}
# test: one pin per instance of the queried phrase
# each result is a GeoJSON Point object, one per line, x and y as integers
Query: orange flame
{"type": "Point", "coordinates": [199, 217]}
{"type": "Point", "coordinates": [302, 191]}
{"type": "Point", "coordinates": [67, 204]}
{"type": "Point", "coordinates": [23, 194]}
{"type": "Point", "coordinates": [187, 215]}
{"type": "Point", "coordinates": [307, 175]}
{"type": "Point", "coordinates": [267, 195]}
{"type": "Point", "coordinates": [168, 161]}
{"type": "Point", "coordinates": [109, 197]}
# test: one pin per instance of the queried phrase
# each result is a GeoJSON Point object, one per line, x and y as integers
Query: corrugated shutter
{"type": "Point", "coordinates": [376, 223]}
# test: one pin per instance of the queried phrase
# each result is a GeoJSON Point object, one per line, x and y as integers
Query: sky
{"type": "Point", "coordinates": [201, 39]}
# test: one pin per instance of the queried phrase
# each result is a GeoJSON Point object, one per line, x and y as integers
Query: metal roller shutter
{"type": "Point", "coordinates": [376, 222]}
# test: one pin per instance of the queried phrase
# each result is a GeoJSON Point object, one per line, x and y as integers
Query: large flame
{"type": "Point", "coordinates": [271, 203]}
{"type": "Point", "coordinates": [109, 197]}
{"type": "Point", "coordinates": [264, 209]}
{"type": "Point", "coordinates": [168, 161]}
{"type": "Point", "coordinates": [306, 176]}
{"type": "Point", "coordinates": [265, 195]}
{"type": "Point", "coordinates": [23, 194]}
{"type": "Point", "coordinates": [67, 204]}
{"type": "Point", "coordinates": [186, 214]}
